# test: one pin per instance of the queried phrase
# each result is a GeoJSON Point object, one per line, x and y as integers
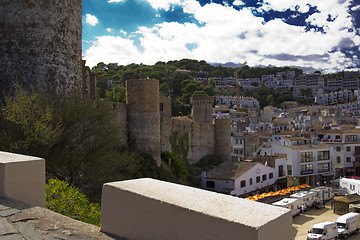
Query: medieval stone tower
{"type": "Point", "coordinates": [222, 138]}
{"type": "Point", "coordinates": [40, 44]}
{"type": "Point", "coordinates": [202, 108]}
{"type": "Point", "coordinates": [143, 116]}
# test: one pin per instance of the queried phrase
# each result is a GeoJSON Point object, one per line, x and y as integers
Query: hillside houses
{"type": "Point", "coordinates": [316, 145]}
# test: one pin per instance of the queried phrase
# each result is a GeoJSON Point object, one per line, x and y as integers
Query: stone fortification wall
{"type": "Point", "coordinates": [165, 109]}
{"type": "Point", "coordinates": [223, 138]}
{"type": "Point", "coordinates": [40, 44]}
{"type": "Point", "coordinates": [143, 116]}
{"type": "Point", "coordinates": [202, 108]}
{"type": "Point", "coordinates": [121, 119]}
{"type": "Point", "coordinates": [203, 141]}
{"type": "Point", "coordinates": [201, 137]}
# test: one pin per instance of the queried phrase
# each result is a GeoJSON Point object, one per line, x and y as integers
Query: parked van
{"type": "Point", "coordinates": [306, 198]}
{"type": "Point", "coordinates": [324, 230]}
{"type": "Point", "coordinates": [291, 203]}
{"type": "Point", "coordinates": [323, 193]}
{"type": "Point", "coordinates": [348, 224]}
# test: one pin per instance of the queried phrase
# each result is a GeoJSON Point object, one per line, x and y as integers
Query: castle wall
{"type": "Point", "coordinates": [143, 116]}
{"type": "Point", "coordinates": [203, 141]}
{"type": "Point", "coordinates": [40, 44]}
{"type": "Point", "coordinates": [201, 137]}
{"type": "Point", "coordinates": [165, 109]}
{"type": "Point", "coordinates": [121, 119]}
{"type": "Point", "coordinates": [223, 138]}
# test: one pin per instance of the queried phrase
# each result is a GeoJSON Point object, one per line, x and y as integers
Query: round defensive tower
{"type": "Point", "coordinates": [143, 108]}
{"type": "Point", "coordinates": [40, 44]}
{"type": "Point", "coordinates": [202, 108]}
{"type": "Point", "coordinates": [223, 138]}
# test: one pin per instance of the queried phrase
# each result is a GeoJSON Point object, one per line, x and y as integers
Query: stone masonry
{"type": "Point", "coordinates": [40, 44]}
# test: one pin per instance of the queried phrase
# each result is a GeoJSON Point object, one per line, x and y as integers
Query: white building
{"type": "Point", "coordinates": [306, 162]}
{"type": "Point", "coordinates": [239, 178]}
{"type": "Point", "coordinates": [350, 81]}
{"type": "Point", "coordinates": [334, 98]}
{"type": "Point", "coordinates": [202, 80]}
{"type": "Point", "coordinates": [309, 80]}
{"type": "Point", "coordinates": [345, 149]}
{"type": "Point", "coordinates": [238, 146]}
{"type": "Point", "coordinates": [244, 102]}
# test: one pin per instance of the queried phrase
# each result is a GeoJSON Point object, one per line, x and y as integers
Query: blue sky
{"type": "Point", "coordinates": [310, 34]}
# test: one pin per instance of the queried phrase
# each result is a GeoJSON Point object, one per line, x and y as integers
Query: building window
{"type": "Point", "coordinates": [264, 177]}
{"type": "Point", "coordinates": [350, 138]}
{"type": "Point", "coordinates": [250, 181]}
{"type": "Point", "coordinates": [210, 184]}
{"type": "Point", "coordinates": [348, 159]}
{"type": "Point", "coordinates": [289, 170]}
{"type": "Point", "coordinates": [243, 183]}
{"type": "Point", "coordinates": [338, 148]}
{"type": "Point", "coordinates": [348, 149]}
{"type": "Point", "coordinates": [323, 155]}
{"type": "Point", "coordinates": [271, 175]}
{"type": "Point", "coordinates": [161, 107]}
{"type": "Point", "coordinates": [338, 159]}
{"type": "Point", "coordinates": [306, 157]}
{"type": "Point", "coordinates": [281, 171]}
{"type": "Point", "coordinates": [323, 167]}
{"type": "Point", "coordinates": [337, 137]}
{"type": "Point", "coordinates": [306, 169]}
{"type": "Point", "coordinates": [257, 179]}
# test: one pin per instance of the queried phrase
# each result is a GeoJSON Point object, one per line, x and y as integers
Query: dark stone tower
{"type": "Point", "coordinates": [40, 44]}
{"type": "Point", "coordinates": [143, 108]}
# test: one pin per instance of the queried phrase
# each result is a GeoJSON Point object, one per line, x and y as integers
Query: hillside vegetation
{"type": "Point", "coordinates": [181, 86]}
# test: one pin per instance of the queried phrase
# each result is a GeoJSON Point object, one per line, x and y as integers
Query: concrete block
{"type": "Point", "coordinates": [22, 178]}
{"type": "Point", "coordinates": [152, 209]}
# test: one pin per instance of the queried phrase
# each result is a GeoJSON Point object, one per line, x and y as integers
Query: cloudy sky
{"type": "Point", "coordinates": [310, 34]}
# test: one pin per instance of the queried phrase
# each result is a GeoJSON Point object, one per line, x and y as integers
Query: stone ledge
{"type": "Point", "coordinates": [22, 178]}
{"type": "Point", "coordinates": [152, 209]}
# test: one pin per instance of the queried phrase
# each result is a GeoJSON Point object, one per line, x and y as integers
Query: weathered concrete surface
{"type": "Point", "coordinates": [152, 209]}
{"type": "Point", "coordinates": [22, 178]}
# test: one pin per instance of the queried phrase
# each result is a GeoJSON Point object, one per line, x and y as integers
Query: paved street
{"type": "Point", "coordinates": [303, 222]}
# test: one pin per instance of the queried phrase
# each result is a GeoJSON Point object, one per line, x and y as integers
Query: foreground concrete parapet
{"type": "Point", "coordinates": [152, 209]}
{"type": "Point", "coordinates": [22, 178]}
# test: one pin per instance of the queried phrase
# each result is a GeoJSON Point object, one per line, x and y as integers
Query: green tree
{"type": "Point", "coordinates": [31, 124]}
{"type": "Point", "coordinates": [118, 94]}
{"type": "Point", "coordinates": [270, 100]}
{"type": "Point", "coordinates": [306, 92]}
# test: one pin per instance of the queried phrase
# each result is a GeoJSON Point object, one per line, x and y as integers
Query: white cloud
{"type": "Point", "coordinates": [355, 8]}
{"type": "Point", "coordinates": [111, 49]}
{"type": "Point", "coordinates": [110, 30]}
{"type": "Point", "coordinates": [238, 3]}
{"type": "Point", "coordinates": [91, 19]}
{"type": "Point", "coordinates": [123, 32]}
{"type": "Point", "coordinates": [162, 4]}
{"type": "Point", "coordinates": [229, 35]}
{"type": "Point", "coordinates": [115, 1]}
